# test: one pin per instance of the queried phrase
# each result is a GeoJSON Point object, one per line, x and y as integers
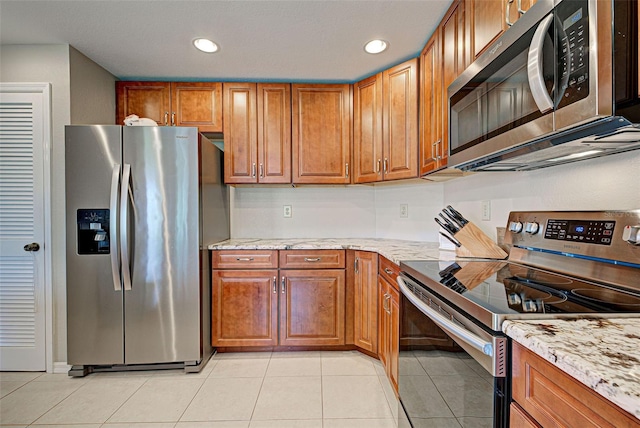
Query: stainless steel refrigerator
{"type": "Point", "coordinates": [142, 204]}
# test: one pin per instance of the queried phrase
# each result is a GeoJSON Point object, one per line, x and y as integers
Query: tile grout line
{"type": "Point", "coordinates": [260, 390]}
{"type": "Point", "coordinates": [194, 395]}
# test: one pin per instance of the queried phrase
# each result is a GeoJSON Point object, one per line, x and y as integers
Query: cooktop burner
{"type": "Point", "coordinates": [503, 289]}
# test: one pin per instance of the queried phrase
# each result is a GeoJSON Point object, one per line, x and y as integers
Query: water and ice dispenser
{"type": "Point", "coordinates": [93, 231]}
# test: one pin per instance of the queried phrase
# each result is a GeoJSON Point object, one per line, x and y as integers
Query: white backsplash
{"type": "Point", "coordinates": [611, 182]}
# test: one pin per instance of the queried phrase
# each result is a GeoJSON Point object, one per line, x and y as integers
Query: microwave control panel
{"type": "Point", "coordinates": [572, 18]}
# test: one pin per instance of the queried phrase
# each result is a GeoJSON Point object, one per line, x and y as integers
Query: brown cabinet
{"type": "Point", "coordinates": [196, 104]}
{"type": "Point", "coordinates": [365, 267]}
{"type": "Point", "coordinates": [312, 309]}
{"type": "Point", "coordinates": [552, 398]}
{"type": "Point", "coordinates": [385, 121]}
{"type": "Point", "coordinates": [244, 308]}
{"type": "Point", "coordinates": [257, 133]}
{"type": "Point", "coordinates": [493, 17]}
{"type": "Point", "coordinates": [255, 304]}
{"type": "Point", "coordinates": [432, 153]}
{"type": "Point", "coordinates": [321, 133]}
{"type": "Point", "coordinates": [389, 319]}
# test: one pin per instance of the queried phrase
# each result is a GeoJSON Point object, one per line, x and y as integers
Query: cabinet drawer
{"type": "Point", "coordinates": [388, 270]}
{"type": "Point", "coordinates": [244, 259]}
{"type": "Point", "coordinates": [312, 259]}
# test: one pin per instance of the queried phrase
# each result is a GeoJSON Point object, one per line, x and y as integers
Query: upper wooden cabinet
{"type": "Point", "coordinates": [432, 152]}
{"type": "Point", "coordinates": [257, 133]}
{"type": "Point", "coordinates": [385, 119]}
{"type": "Point", "coordinates": [492, 17]}
{"type": "Point", "coordinates": [172, 103]}
{"type": "Point", "coordinates": [321, 134]}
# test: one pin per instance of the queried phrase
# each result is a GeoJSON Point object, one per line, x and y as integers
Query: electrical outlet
{"type": "Point", "coordinates": [287, 213]}
{"type": "Point", "coordinates": [486, 210]}
{"type": "Point", "coordinates": [404, 210]}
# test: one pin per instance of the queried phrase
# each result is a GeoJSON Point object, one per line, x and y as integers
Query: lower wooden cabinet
{"type": "Point", "coordinates": [257, 307]}
{"type": "Point", "coordinates": [244, 308]}
{"type": "Point", "coordinates": [365, 282]}
{"type": "Point", "coordinates": [552, 398]}
{"type": "Point", "coordinates": [312, 308]}
{"type": "Point", "coordinates": [389, 329]}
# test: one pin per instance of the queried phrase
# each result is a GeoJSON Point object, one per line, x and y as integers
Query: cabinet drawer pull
{"type": "Point", "coordinates": [312, 260]}
{"type": "Point", "coordinates": [275, 285]}
{"type": "Point", "coordinates": [388, 271]}
{"type": "Point", "coordinates": [244, 259]}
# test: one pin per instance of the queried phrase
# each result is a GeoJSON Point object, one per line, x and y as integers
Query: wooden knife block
{"type": "Point", "coordinates": [476, 244]}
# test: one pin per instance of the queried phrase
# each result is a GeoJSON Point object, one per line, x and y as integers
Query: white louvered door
{"type": "Point", "coordinates": [22, 295]}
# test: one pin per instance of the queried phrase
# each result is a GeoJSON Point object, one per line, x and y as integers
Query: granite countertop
{"type": "Point", "coordinates": [603, 354]}
{"type": "Point", "coordinates": [393, 249]}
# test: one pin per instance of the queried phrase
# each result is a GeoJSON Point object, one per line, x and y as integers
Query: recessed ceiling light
{"type": "Point", "coordinates": [375, 46]}
{"type": "Point", "coordinates": [205, 45]}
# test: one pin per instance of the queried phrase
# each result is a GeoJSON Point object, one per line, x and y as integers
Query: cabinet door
{"type": "Point", "coordinates": [312, 308]}
{"type": "Point", "coordinates": [144, 99]}
{"type": "Point", "coordinates": [366, 300]}
{"type": "Point", "coordinates": [321, 127]}
{"type": "Point", "coordinates": [367, 130]}
{"type": "Point", "coordinates": [431, 149]}
{"type": "Point", "coordinates": [244, 308]}
{"type": "Point", "coordinates": [400, 121]}
{"type": "Point", "coordinates": [383, 321]}
{"type": "Point", "coordinates": [454, 60]}
{"type": "Point", "coordinates": [197, 104]}
{"type": "Point", "coordinates": [394, 337]}
{"type": "Point", "coordinates": [274, 133]}
{"type": "Point", "coordinates": [489, 21]}
{"type": "Point", "coordinates": [240, 134]}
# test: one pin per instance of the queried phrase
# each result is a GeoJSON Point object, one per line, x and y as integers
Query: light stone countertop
{"type": "Point", "coordinates": [393, 249]}
{"type": "Point", "coordinates": [603, 354]}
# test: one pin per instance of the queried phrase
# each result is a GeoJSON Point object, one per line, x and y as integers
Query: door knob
{"type": "Point", "coordinates": [34, 246]}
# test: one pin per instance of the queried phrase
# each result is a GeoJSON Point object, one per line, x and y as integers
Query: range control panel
{"type": "Point", "coordinates": [609, 235]}
{"type": "Point", "coordinates": [591, 231]}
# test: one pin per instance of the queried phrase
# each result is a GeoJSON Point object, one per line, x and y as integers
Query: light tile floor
{"type": "Point", "coordinates": [239, 390]}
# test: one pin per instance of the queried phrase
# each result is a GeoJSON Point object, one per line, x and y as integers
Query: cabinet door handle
{"type": "Point", "coordinates": [436, 151]}
{"type": "Point", "coordinates": [385, 165]}
{"type": "Point", "coordinates": [282, 284]}
{"type": "Point", "coordinates": [385, 303]}
{"type": "Point", "coordinates": [244, 259]}
{"type": "Point", "coordinates": [275, 285]}
{"type": "Point", "coordinates": [166, 118]}
{"type": "Point", "coordinates": [378, 167]}
{"type": "Point", "coordinates": [253, 170]}
{"type": "Point", "coordinates": [520, 11]}
{"type": "Point", "coordinates": [261, 170]}
{"type": "Point", "coordinates": [508, 12]}
{"type": "Point", "coordinates": [346, 169]}
{"type": "Point", "coordinates": [312, 260]}
{"type": "Point", "coordinates": [389, 304]}
{"type": "Point", "coordinates": [388, 271]}
{"type": "Point", "coordinates": [355, 264]}
{"type": "Point", "coordinates": [173, 118]}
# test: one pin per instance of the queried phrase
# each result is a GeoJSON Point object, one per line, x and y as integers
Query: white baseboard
{"type": "Point", "coordinates": [61, 367]}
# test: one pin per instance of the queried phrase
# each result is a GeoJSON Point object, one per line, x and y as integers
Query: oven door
{"type": "Point", "coordinates": [450, 370]}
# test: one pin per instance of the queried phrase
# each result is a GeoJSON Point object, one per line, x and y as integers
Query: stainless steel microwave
{"type": "Point", "coordinates": [560, 85]}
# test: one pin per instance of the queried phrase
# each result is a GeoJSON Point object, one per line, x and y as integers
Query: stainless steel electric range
{"type": "Point", "coordinates": [454, 359]}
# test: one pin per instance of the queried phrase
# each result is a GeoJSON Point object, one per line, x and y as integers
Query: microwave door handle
{"type": "Point", "coordinates": [534, 67]}
{"type": "Point", "coordinates": [124, 225]}
{"type": "Point", "coordinates": [445, 323]}
{"type": "Point", "coordinates": [113, 228]}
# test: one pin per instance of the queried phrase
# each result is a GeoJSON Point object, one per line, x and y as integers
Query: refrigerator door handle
{"type": "Point", "coordinates": [113, 228]}
{"type": "Point", "coordinates": [124, 225]}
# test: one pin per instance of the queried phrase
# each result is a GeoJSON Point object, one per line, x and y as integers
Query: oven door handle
{"type": "Point", "coordinates": [445, 323]}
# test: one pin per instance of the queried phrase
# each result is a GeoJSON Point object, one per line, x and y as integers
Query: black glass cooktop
{"type": "Point", "coordinates": [496, 290]}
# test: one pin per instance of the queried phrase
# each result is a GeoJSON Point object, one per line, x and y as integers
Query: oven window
{"type": "Point", "coordinates": [439, 384]}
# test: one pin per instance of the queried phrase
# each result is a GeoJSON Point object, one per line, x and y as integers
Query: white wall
{"type": "Point", "coordinates": [611, 182]}
{"type": "Point", "coordinates": [58, 65]}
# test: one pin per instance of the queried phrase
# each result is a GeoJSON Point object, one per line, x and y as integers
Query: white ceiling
{"type": "Point", "coordinates": [296, 40]}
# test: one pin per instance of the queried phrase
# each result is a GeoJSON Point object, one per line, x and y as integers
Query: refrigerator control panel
{"type": "Point", "coordinates": [93, 231]}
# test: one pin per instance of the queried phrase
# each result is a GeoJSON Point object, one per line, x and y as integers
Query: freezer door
{"type": "Point", "coordinates": [94, 305]}
{"type": "Point", "coordinates": [162, 309]}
